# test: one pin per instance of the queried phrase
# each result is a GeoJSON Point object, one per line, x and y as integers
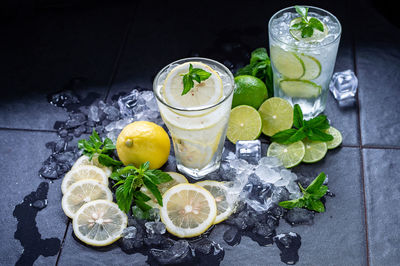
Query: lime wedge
{"type": "Point", "coordinates": [337, 138]}
{"type": "Point", "coordinates": [276, 114]}
{"type": "Point", "coordinates": [287, 63]}
{"type": "Point", "coordinates": [300, 88]}
{"type": "Point", "coordinates": [244, 124]}
{"type": "Point", "coordinates": [312, 67]}
{"type": "Point", "coordinates": [315, 151]}
{"type": "Point", "coordinates": [316, 37]}
{"type": "Point", "coordinates": [290, 155]}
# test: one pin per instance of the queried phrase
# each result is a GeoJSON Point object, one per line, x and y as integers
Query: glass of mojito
{"type": "Point", "coordinates": [303, 42]}
{"type": "Point", "coordinates": [194, 96]}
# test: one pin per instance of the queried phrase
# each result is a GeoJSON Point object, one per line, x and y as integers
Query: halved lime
{"type": "Point", "coordinates": [276, 114]}
{"type": "Point", "coordinates": [244, 124]}
{"type": "Point", "coordinates": [312, 67]}
{"type": "Point", "coordinates": [315, 151]}
{"type": "Point", "coordinates": [300, 88]}
{"type": "Point", "coordinates": [337, 138]}
{"type": "Point", "coordinates": [290, 154]}
{"type": "Point", "coordinates": [287, 63]}
{"type": "Point", "coordinates": [317, 35]}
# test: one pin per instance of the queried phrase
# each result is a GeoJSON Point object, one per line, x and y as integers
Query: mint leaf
{"type": "Point", "coordinates": [158, 176]}
{"type": "Point", "coordinates": [143, 206]}
{"type": "Point", "coordinates": [298, 121]}
{"type": "Point", "coordinates": [302, 11]}
{"type": "Point", "coordinates": [124, 201]}
{"type": "Point", "coordinates": [108, 161]}
{"type": "Point", "coordinates": [259, 54]}
{"type": "Point", "coordinates": [316, 24]}
{"type": "Point", "coordinates": [316, 205]}
{"type": "Point", "coordinates": [196, 74]}
{"type": "Point", "coordinates": [316, 134]}
{"type": "Point", "coordinates": [307, 31]}
{"type": "Point", "coordinates": [283, 136]}
{"type": "Point", "coordinates": [153, 189]}
{"type": "Point", "coordinates": [316, 183]}
{"type": "Point", "coordinates": [290, 204]}
{"type": "Point", "coordinates": [141, 196]}
{"type": "Point", "coordinates": [320, 192]}
{"type": "Point", "coordinates": [320, 122]}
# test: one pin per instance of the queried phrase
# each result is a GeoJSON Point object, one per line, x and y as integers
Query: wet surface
{"type": "Point", "coordinates": [97, 53]}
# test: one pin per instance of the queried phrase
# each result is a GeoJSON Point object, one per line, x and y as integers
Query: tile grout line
{"type": "Point", "coordinates": [361, 150]}
{"type": "Point", "coordinates": [28, 130]}
{"type": "Point", "coordinates": [62, 242]}
{"type": "Point", "coordinates": [121, 51]}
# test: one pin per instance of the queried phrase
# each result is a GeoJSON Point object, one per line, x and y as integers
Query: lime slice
{"type": "Point", "coordinates": [337, 138]}
{"type": "Point", "coordinates": [83, 192]}
{"type": "Point", "coordinates": [188, 210]}
{"type": "Point", "coordinates": [312, 67]}
{"type": "Point", "coordinates": [300, 88]}
{"type": "Point", "coordinates": [99, 223]}
{"type": "Point", "coordinates": [276, 114]}
{"type": "Point", "coordinates": [244, 124]}
{"type": "Point", "coordinates": [220, 193]}
{"type": "Point", "coordinates": [287, 63]}
{"type": "Point", "coordinates": [290, 154]}
{"type": "Point", "coordinates": [316, 37]}
{"type": "Point", "coordinates": [315, 151]}
{"type": "Point", "coordinates": [207, 92]}
{"type": "Point", "coordinates": [176, 179]}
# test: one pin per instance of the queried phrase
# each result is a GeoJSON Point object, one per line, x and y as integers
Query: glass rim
{"type": "Point", "coordinates": [191, 109]}
{"type": "Point", "coordinates": [305, 47]}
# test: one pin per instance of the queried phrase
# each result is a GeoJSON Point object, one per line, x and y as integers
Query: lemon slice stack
{"type": "Point", "coordinates": [97, 221]}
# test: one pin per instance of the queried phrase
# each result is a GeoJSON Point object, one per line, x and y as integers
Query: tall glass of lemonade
{"type": "Point", "coordinates": [303, 44]}
{"type": "Point", "coordinates": [194, 96]}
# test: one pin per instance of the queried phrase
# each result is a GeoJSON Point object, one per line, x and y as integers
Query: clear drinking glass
{"type": "Point", "coordinates": [302, 69]}
{"type": "Point", "coordinates": [198, 133]}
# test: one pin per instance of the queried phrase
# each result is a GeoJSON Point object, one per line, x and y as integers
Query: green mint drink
{"type": "Point", "coordinates": [303, 44]}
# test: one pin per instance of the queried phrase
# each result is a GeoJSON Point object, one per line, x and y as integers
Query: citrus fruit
{"type": "Point", "coordinates": [317, 35]}
{"type": "Point", "coordinates": [337, 138]}
{"type": "Point", "coordinates": [276, 114]}
{"type": "Point", "coordinates": [99, 223]}
{"type": "Point", "coordinates": [176, 179]}
{"type": "Point", "coordinates": [83, 172]}
{"type": "Point", "coordinates": [300, 88]}
{"type": "Point", "coordinates": [84, 160]}
{"type": "Point", "coordinates": [288, 64]}
{"type": "Point", "coordinates": [82, 192]}
{"type": "Point", "coordinates": [312, 67]}
{"type": "Point", "coordinates": [249, 91]}
{"type": "Point", "coordinates": [290, 154]}
{"type": "Point", "coordinates": [188, 210]}
{"type": "Point", "coordinates": [141, 142]}
{"type": "Point", "coordinates": [314, 151]}
{"type": "Point", "coordinates": [220, 194]}
{"type": "Point", "coordinates": [244, 124]}
{"type": "Point", "coordinates": [207, 92]}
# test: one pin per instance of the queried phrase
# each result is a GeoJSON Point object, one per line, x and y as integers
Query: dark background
{"type": "Point", "coordinates": [110, 47]}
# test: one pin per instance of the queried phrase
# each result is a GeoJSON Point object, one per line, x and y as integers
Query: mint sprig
{"type": "Point", "coordinates": [194, 74]}
{"type": "Point", "coordinates": [130, 179]}
{"type": "Point", "coordinates": [311, 196]}
{"type": "Point", "coordinates": [260, 67]}
{"type": "Point", "coordinates": [94, 146]}
{"type": "Point", "coordinates": [306, 25]}
{"type": "Point", "coordinates": [313, 129]}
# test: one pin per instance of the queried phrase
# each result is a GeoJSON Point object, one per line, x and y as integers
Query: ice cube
{"type": "Point", "coordinates": [179, 252]}
{"type": "Point", "coordinates": [289, 244]}
{"type": "Point", "coordinates": [271, 162]}
{"type": "Point", "coordinates": [267, 174]}
{"type": "Point", "coordinates": [155, 228]}
{"type": "Point", "coordinates": [93, 114]}
{"type": "Point", "coordinates": [129, 232]}
{"type": "Point", "coordinates": [343, 85]}
{"type": "Point", "coordinates": [282, 182]}
{"type": "Point", "coordinates": [39, 204]}
{"type": "Point", "coordinates": [112, 113]}
{"type": "Point", "coordinates": [249, 150]}
{"type": "Point", "coordinates": [154, 214]}
{"type": "Point", "coordinates": [298, 216]}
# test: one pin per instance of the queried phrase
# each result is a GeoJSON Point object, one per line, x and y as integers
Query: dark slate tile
{"type": "Point", "coordinates": [111, 255]}
{"type": "Point", "coordinates": [382, 194]}
{"type": "Point", "coordinates": [41, 232]}
{"type": "Point", "coordinates": [53, 46]}
{"type": "Point", "coordinates": [378, 65]}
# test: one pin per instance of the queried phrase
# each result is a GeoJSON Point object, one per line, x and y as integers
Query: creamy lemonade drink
{"type": "Point", "coordinates": [303, 47]}
{"type": "Point", "coordinates": [194, 96]}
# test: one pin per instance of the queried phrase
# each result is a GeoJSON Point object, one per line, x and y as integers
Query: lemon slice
{"type": "Point", "coordinates": [220, 193]}
{"type": "Point", "coordinates": [84, 160]}
{"type": "Point", "coordinates": [314, 151]}
{"type": "Point", "coordinates": [83, 172]}
{"type": "Point", "coordinates": [188, 210]}
{"type": "Point", "coordinates": [276, 114]}
{"type": "Point", "coordinates": [205, 93]}
{"type": "Point", "coordinates": [99, 223]}
{"type": "Point", "coordinates": [176, 179]}
{"type": "Point", "coordinates": [290, 155]}
{"type": "Point", "coordinates": [83, 192]}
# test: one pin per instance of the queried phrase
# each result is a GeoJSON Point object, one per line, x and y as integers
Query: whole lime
{"type": "Point", "coordinates": [249, 91]}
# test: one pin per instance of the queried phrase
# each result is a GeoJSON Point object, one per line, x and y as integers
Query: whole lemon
{"type": "Point", "coordinates": [143, 141]}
